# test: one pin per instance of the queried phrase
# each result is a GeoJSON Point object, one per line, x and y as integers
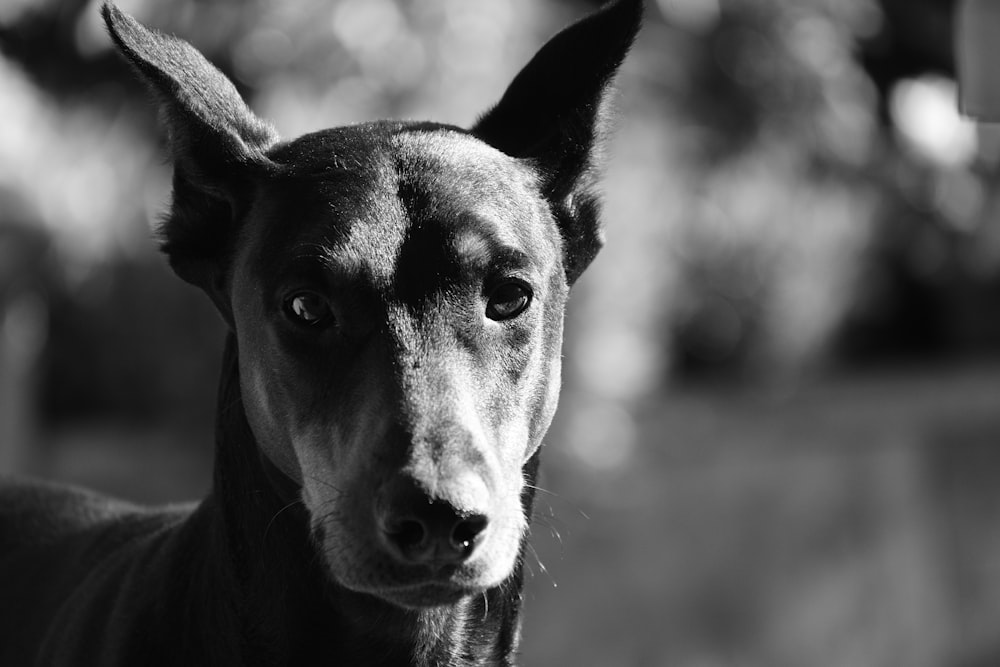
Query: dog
{"type": "Point", "coordinates": [394, 295]}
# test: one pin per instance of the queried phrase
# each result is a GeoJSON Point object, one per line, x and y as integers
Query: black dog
{"type": "Point", "coordinates": [394, 293]}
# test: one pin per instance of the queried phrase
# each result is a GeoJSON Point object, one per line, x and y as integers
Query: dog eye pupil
{"type": "Point", "coordinates": [508, 301]}
{"type": "Point", "coordinates": [308, 308]}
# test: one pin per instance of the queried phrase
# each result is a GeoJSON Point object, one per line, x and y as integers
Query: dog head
{"type": "Point", "coordinates": [396, 291]}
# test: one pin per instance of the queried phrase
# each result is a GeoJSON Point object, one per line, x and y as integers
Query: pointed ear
{"type": "Point", "coordinates": [554, 114]}
{"type": "Point", "coordinates": [216, 143]}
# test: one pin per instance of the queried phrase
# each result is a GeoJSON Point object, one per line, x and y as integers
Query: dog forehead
{"type": "Point", "coordinates": [466, 199]}
{"type": "Point", "coordinates": [459, 166]}
{"type": "Point", "coordinates": [439, 196]}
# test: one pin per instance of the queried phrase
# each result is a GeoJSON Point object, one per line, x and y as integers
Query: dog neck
{"type": "Point", "coordinates": [283, 604]}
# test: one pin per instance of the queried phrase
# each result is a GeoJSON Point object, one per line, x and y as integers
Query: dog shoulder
{"type": "Point", "coordinates": [59, 544]}
{"type": "Point", "coordinates": [35, 513]}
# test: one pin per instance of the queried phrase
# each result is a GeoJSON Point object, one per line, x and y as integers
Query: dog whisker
{"type": "Point", "coordinates": [326, 483]}
{"type": "Point", "coordinates": [541, 565]}
{"type": "Point", "coordinates": [276, 515]}
{"type": "Point", "coordinates": [540, 489]}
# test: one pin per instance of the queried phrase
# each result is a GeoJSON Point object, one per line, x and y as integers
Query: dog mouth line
{"type": "Point", "coordinates": [430, 593]}
{"type": "Point", "coordinates": [446, 575]}
{"type": "Point", "coordinates": [426, 585]}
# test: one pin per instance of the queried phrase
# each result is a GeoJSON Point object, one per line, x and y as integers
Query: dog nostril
{"type": "Point", "coordinates": [407, 534]}
{"type": "Point", "coordinates": [465, 532]}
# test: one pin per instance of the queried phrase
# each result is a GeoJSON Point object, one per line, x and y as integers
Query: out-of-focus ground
{"type": "Point", "coordinates": [779, 440]}
{"type": "Point", "coordinates": [853, 524]}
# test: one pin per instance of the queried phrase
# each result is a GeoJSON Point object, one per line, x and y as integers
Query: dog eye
{"type": "Point", "coordinates": [508, 300]}
{"type": "Point", "coordinates": [308, 308]}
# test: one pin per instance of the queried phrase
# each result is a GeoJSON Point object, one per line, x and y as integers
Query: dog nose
{"type": "Point", "coordinates": [421, 529]}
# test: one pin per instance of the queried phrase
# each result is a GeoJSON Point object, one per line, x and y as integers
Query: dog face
{"type": "Point", "coordinates": [396, 291]}
{"type": "Point", "coordinates": [402, 317]}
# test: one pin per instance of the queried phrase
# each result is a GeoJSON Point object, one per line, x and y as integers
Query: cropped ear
{"type": "Point", "coordinates": [554, 114]}
{"type": "Point", "coordinates": [216, 143]}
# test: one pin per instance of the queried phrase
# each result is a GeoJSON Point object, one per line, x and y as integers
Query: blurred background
{"type": "Point", "coordinates": [779, 440]}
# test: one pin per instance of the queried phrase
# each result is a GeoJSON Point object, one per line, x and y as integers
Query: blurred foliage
{"type": "Point", "coordinates": [833, 224]}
